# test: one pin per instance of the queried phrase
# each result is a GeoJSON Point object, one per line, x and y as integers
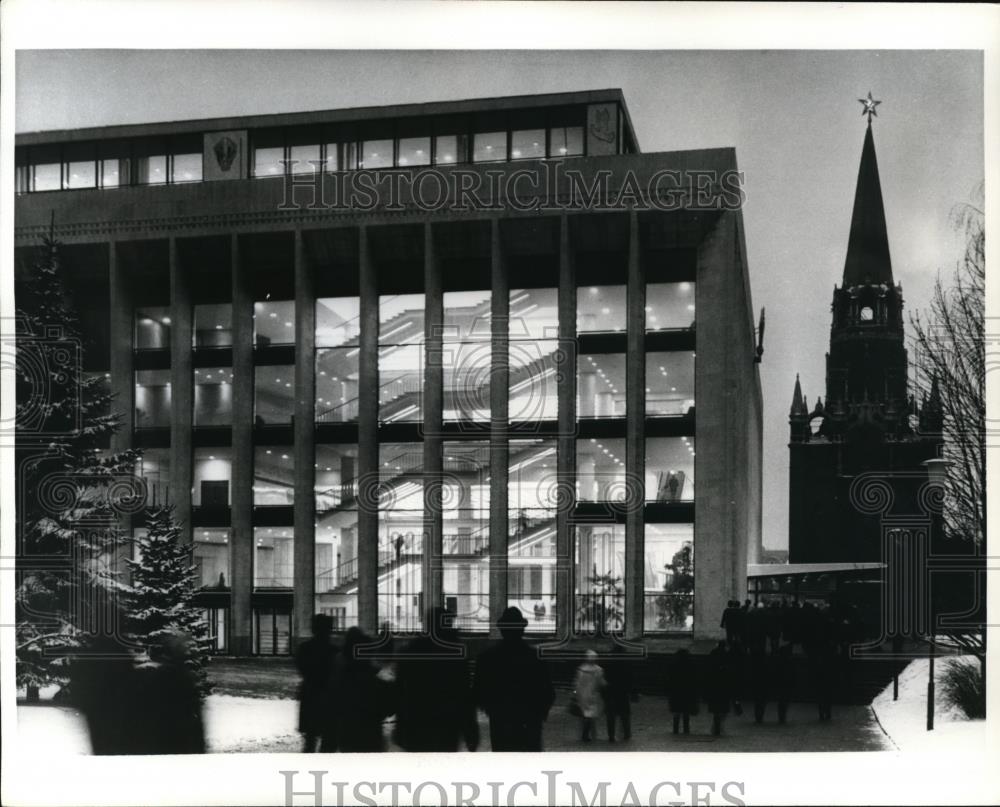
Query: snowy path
{"type": "Point", "coordinates": [905, 720]}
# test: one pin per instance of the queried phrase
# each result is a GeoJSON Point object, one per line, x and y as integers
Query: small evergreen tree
{"type": "Point", "coordinates": [160, 600]}
{"type": "Point", "coordinates": [70, 491]}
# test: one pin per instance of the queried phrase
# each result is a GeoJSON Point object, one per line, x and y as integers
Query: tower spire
{"type": "Point", "coordinates": [798, 403]}
{"type": "Point", "coordinates": [868, 245]}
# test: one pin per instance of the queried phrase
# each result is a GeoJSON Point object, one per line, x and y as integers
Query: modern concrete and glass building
{"type": "Point", "coordinates": [458, 353]}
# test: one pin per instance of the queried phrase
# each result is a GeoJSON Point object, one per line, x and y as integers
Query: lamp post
{"type": "Point", "coordinates": [937, 472]}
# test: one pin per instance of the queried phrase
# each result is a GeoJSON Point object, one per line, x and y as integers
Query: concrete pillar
{"type": "Point", "coordinates": [566, 440]}
{"type": "Point", "coordinates": [181, 390]}
{"type": "Point", "coordinates": [715, 527]}
{"type": "Point", "coordinates": [499, 436]}
{"type": "Point", "coordinates": [304, 455]}
{"type": "Point", "coordinates": [241, 541]}
{"type": "Point", "coordinates": [432, 572]}
{"type": "Point", "coordinates": [368, 468]}
{"type": "Point", "coordinates": [635, 443]}
{"type": "Point", "coordinates": [122, 368]}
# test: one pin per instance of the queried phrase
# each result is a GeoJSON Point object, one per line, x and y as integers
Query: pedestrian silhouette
{"type": "Point", "coordinates": [619, 693]}
{"type": "Point", "coordinates": [104, 687]}
{"type": "Point", "coordinates": [361, 699]}
{"type": "Point", "coordinates": [588, 689]}
{"type": "Point", "coordinates": [682, 691]}
{"type": "Point", "coordinates": [784, 679]}
{"type": "Point", "coordinates": [760, 682]}
{"type": "Point", "coordinates": [774, 622]}
{"type": "Point", "coordinates": [435, 706]}
{"type": "Point", "coordinates": [170, 701]}
{"type": "Point", "coordinates": [513, 687]}
{"type": "Point", "coordinates": [315, 660]}
{"type": "Point", "coordinates": [732, 620]}
{"type": "Point", "coordinates": [718, 686]}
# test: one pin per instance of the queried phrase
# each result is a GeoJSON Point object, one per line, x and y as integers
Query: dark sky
{"type": "Point", "coordinates": [792, 116]}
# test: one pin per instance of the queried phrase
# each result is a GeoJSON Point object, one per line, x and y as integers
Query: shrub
{"type": "Point", "coordinates": [963, 687]}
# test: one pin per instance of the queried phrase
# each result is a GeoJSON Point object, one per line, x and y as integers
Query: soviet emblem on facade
{"type": "Point", "coordinates": [601, 126]}
{"type": "Point", "coordinates": [225, 152]}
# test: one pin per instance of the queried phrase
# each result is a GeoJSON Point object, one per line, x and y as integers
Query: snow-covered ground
{"type": "Point", "coordinates": [231, 724]}
{"type": "Point", "coordinates": [905, 720]}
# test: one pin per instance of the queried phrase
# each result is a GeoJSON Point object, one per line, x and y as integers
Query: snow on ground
{"type": "Point", "coordinates": [905, 720]}
{"type": "Point", "coordinates": [231, 724]}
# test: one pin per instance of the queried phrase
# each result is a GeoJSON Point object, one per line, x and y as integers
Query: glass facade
{"type": "Point", "coordinates": [274, 323]}
{"type": "Point", "coordinates": [669, 306]}
{"type": "Point", "coordinates": [533, 347]}
{"type": "Point", "coordinates": [212, 478]}
{"type": "Point", "coordinates": [401, 357]}
{"type": "Point", "coordinates": [337, 533]}
{"type": "Point", "coordinates": [213, 325]}
{"type": "Point", "coordinates": [152, 399]}
{"type": "Point", "coordinates": [466, 356]}
{"type": "Point", "coordinates": [401, 536]}
{"type": "Point", "coordinates": [152, 328]}
{"type": "Point", "coordinates": [599, 575]}
{"type": "Point", "coordinates": [669, 383]}
{"type": "Point", "coordinates": [600, 309]}
{"type": "Point", "coordinates": [273, 558]}
{"type": "Point", "coordinates": [668, 588]}
{"type": "Point", "coordinates": [600, 469]}
{"type": "Point", "coordinates": [211, 558]}
{"type": "Point", "coordinates": [273, 476]}
{"type": "Point", "coordinates": [600, 386]}
{"type": "Point", "coordinates": [532, 490]}
{"type": "Point", "coordinates": [669, 469]}
{"type": "Point", "coordinates": [274, 395]}
{"type": "Point", "coordinates": [465, 496]}
{"type": "Point", "coordinates": [213, 396]}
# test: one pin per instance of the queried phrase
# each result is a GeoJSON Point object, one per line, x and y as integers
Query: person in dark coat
{"type": "Point", "coordinates": [760, 682]}
{"type": "Point", "coordinates": [718, 686]}
{"type": "Point", "coordinates": [104, 687]}
{"type": "Point", "coordinates": [361, 700]}
{"type": "Point", "coordinates": [436, 710]}
{"type": "Point", "coordinates": [619, 693]}
{"type": "Point", "coordinates": [682, 691]}
{"type": "Point", "coordinates": [315, 660]}
{"type": "Point", "coordinates": [774, 622]}
{"type": "Point", "coordinates": [732, 622]}
{"type": "Point", "coordinates": [784, 679]}
{"type": "Point", "coordinates": [512, 686]}
{"type": "Point", "coordinates": [171, 701]}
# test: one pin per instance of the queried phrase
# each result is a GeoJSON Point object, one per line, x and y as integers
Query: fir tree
{"type": "Point", "coordinates": [70, 486]}
{"type": "Point", "coordinates": [161, 596]}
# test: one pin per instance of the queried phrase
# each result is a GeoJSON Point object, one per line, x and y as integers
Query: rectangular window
{"type": "Point", "coordinates": [337, 385]}
{"type": "Point", "coordinates": [376, 154]}
{"type": "Point", "coordinates": [600, 469]}
{"type": "Point", "coordinates": [212, 478]}
{"type": "Point", "coordinates": [532, 493]}
{"type": "Point", "coordinates": [47, 176]}
{"type": "Point", "coordinates": [668, 595]}
{"type": "Point", "coordinates": [527, 144]}
{"type": "Point", "coordinates": [213, 325]}
{"type": "Point", "coordinates": [600, 578]}
{"type": "Point", "coordinates": [401, 380]}
{"type": "Point", "coordinates": [268, 161]}
{"type": "Point", "coordinates": [670, 306]}
{"type": "Point", "coordinates": [211, 558]}
{"type": "Point", "coordinates": [669, 383]}
{"type": "Point", "coordinates": [304, 159]}
{"type": "Point", "coordinates": [113, 173]}
{"type": "Point", "coordinates": [401, 536]}
{"type": "Point", "coordinates": [600, 309]}
{"type": "Point", "coordinates": [449, 149]}
{"type": "Point", "coordinates": [152, 328]}
{"type": "Point", "coordinates": [152, 399]}
{"type": "Point", "coordinates": [273, 476]}
{"type": "Point", "coordinates": [274, 395]}
{"type": "Point", "coordinates": [600, 386]}
{"type": "Point", "coordinates": [186, 168]}
{"type": "Point", "coordinates": [273, 632]}
{"type": "Point", "coordinates": [466, 533]}
{"type": "Point", "coordinates": [466, 356]}
{"type": "Point", "coordinates": [151, 163]}
{"type": "Point", "coordinates": [414, 151]}
{"type": "Point", "coordinates": [213, 396]}
{"type": "Point", "coordinates": [566, 141]}
{"type": "Point", "coordinates": [338, 321]}
{"type": "Point", "coordinates": [274, 322]}
{"type": "Point", "coordinates": [669, 469]}
{"type": "Point", "coordinates": [337, 566]}
{"type": "Point", "coordinates": [336, 476]}
{"type": "Point", "coordinates": [80, 166]}
{"type": "Point", "coordinates": [489, 147]}
{"type": "Point", "coordinates": [273, 565]}
{"type": "Point", "coordinates": [154, 467]}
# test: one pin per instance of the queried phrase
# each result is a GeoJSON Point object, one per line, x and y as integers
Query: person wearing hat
{"type": "Point", "coordinates": [513, 687]}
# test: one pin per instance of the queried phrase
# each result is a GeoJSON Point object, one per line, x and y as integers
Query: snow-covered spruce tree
{"type": "Point", "coordinates": [160, 600]}
{"type": "Point", "coordinates": [70, 488]}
